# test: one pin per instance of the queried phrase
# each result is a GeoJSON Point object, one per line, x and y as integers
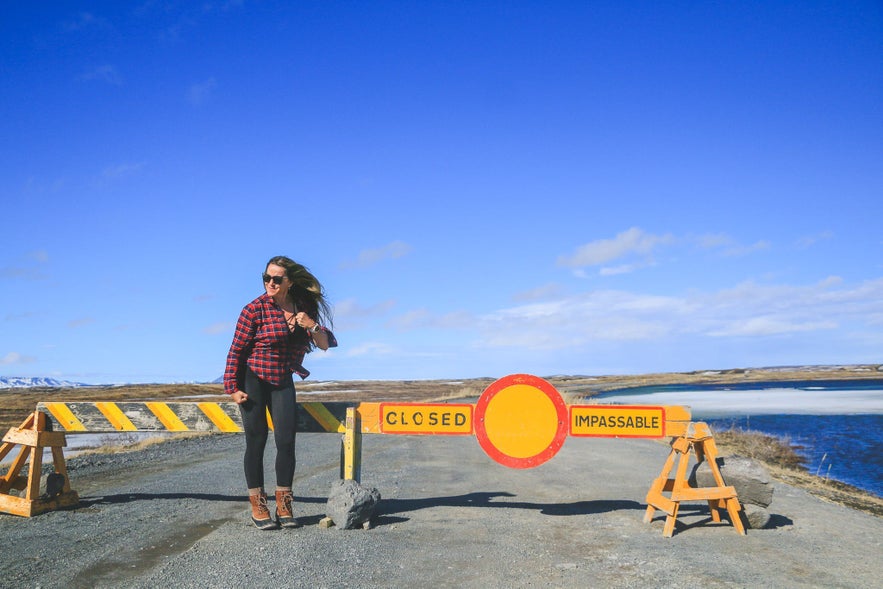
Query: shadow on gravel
{"type": "Point", "coordinates": [696, 511]}
{"type": "Point", "coordinates": [129, 497]}
{"type": "Point", "coordinates": [391, 507]}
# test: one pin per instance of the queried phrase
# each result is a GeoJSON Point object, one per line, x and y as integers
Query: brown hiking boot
{"type": "Point", "coordinates": [284, 511]}
{"type": "Point", "coordinates": [260, 513]}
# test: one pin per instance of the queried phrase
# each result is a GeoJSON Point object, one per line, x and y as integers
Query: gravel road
{"type": "Point", "coordinates": [175, 515]}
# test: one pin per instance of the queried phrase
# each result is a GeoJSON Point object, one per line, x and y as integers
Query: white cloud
{"type": "Point", "coordinates": [198, 93]}
{"type": "Point", "coordinates": [727, 245]}
{"type": "Point", "coordinates": [120, 171]}
{"type": "Point", "coordinates": [371, 349]}
{"type": "Point", "coordinates": [81, 322]}
{"type": "Point", "coordinates": [86, 20]}
{"type": "Point", "coordinates": [351, 309]}
{"type": "Point", "coordinates": [424, 319]}
{"type": "Point", "coordinates": [41, 256]}
{"type": "Point", "coordinates": [13, 272]}
{"type": "Point", "coordinates": [416, 318]}
{"type": "Point", "coordinates": [219, 328]}
{"type": "Point", "coordinates": [744, 250]}
{"type": "Point", "coordinates": [547, 291]}
{"type": "Point", "coordinates": [350, 314]}
{"type": "Point", "coordinates": [810, 240]}
{"type": "Point", "coordinates": [613, 271]}
{"type": "Point", "coordinates": [369, 257]}
{"type": "Point", "coordinates": [106, 73]}
{"type": "Point", "coordinates": [745, 310]}
{"type": "Point", "coordinates": [20, 316]}
{"type": "Point", "coordinates": [30, 271]}
{"type": "Point", "coordinates": [713, 240]}
{"type": "Point", "coordinates": [16, 358]}
{"type": "Point", "coordinates": [633, 241]}
{"type": "Point", "coordinates": [760, 326]}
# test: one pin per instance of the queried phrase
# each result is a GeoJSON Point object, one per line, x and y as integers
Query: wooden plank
{"type": "Point", "coordinates": [678, 413]}
{"type": "Point", "coordinates": [15, 505]}
{"type": "Point", "coordinates": [29, 437]}
{"type": "Point", "coordinates": [34, 472]}
{"type": "Point", "coordinates": [25, 508]}
{"type": "Point", "coordinates": [733, 508]}
{"type": "Point", "coordinates": [662, 503]}
{"type": "Point", "coordinates": [676, 428]}
{"type": "Point", "coordinates": [61, 467]}
{"type": "Point", "coordinates": [691, 494]}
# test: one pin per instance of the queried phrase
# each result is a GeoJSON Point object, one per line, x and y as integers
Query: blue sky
{"type": "Point", "coordinates": [483, 187]}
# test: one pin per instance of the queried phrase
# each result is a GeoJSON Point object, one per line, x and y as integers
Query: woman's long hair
{"type": "Point", "coordinates": [306, 291]}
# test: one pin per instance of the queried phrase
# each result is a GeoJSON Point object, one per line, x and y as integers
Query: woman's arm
{"type": "Point", "coordinates": [321, 336]}
{"type": "Point", "coordinates": [243, 339]}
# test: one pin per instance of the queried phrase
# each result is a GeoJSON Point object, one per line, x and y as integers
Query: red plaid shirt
{"type": "Point", "coordinates": [263, 342]}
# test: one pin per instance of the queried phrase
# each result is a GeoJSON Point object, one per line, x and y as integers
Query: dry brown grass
{"type": "Point", "coordinates": [768, 449]}
{"type": "Point", "coordinates": [120, 443]}
{"type": "Point", "coordinates": [785, 465]}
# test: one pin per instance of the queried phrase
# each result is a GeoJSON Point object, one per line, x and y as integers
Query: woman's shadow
{"type": "Point", "coordinates": [390, 511]}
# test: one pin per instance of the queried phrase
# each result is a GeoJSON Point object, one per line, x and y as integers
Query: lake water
{"type": "Point", "coordinates": [837, 425]}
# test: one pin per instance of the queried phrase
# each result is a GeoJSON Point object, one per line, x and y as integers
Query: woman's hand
{"type": "Point", "coordinates": [239, 397]}
{"type": "Point", "coordinates": [304, 320]}
{"type": "Point", "coordinates": [320, 338]}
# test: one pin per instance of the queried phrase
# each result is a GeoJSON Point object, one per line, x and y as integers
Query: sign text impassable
{"type": "Point", "coordinates": [618, 421]}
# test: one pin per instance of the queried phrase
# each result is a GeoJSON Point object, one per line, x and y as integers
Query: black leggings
{"type": "Point", "coordinates": [280, 400]}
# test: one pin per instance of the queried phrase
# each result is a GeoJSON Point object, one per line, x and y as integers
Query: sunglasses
{"type": "Point", "coordinates": [277, 280]}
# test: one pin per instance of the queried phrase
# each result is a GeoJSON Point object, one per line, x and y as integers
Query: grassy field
{"type": "Point", "coordinates": [777, 454]}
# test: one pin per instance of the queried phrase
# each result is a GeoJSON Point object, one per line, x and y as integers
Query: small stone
{"type": "Point", "coordinates": [757, 517]}
{"type": "Point", "coordinates": [350, 504]}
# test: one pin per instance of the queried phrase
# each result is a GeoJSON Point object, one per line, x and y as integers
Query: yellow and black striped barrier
{"type": "Point", "coordinates": [157, 416]}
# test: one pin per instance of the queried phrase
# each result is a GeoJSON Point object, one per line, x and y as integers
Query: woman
{"type": "Point", "coordinates": [272, 335]}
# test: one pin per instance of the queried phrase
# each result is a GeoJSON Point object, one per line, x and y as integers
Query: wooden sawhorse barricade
{"type": "Point", "coordinates": [34, 436]}
{"type": "Point", "coordinates": [524, 404]}
{"type": "Point", "coordinates": [695, 439]}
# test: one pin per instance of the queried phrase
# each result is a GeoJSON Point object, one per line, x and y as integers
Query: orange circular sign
{"type": "Point", "coordinates": [521, 421]}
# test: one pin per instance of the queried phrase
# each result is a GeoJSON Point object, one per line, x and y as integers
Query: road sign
{"type": "Point", "coordinates": [521, 421]}
{"type": "Point", "coordinates": [619, 421]}
{"type": "Point", "coordinates": [426, 418]}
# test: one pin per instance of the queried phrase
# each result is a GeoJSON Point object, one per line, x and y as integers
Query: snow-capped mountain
{"type": "Point", "coordinates": [18, 382]}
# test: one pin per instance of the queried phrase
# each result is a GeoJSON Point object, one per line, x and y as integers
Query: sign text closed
{"type": "Point", "coordinates": [425, 418]}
